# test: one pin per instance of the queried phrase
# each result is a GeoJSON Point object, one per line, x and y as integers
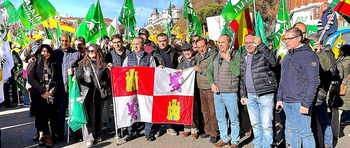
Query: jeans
{"type": "Point", "coordinates": [228, 100]}
{"type": "Point", "coordinates": [260, 114]}
{"type": "Point", "coordinates": [299, 126]}
{"type": "Point", "coordinates": [148, 127]}
{"type": "Point", "coordinates": [323, 119]}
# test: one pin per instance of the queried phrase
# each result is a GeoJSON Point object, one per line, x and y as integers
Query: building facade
{"type": "Point", "coordinates": [157, 18]}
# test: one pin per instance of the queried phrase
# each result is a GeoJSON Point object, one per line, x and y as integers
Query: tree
{"type": "Point", "coordinates": [208, 11]}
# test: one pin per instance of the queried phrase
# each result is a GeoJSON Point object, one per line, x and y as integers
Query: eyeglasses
{"type": "Point", "coordinates": [91, 51]}
{"type": "Point", "coordinates": [289, 39]}
{"type": "Point", "coordinates": [304, 32]}
{"type": "Point", "coordinates": [247, 43]}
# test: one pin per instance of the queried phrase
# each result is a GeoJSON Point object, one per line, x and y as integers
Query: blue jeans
{"type": "Point", "coordinates": [260, 114]}
{"type": "Point", "coordinates": [323, 119]}
{"type": "Point", "coordinates": [299, 126]}
{"type": "Point", "coordinates": [228, 100]}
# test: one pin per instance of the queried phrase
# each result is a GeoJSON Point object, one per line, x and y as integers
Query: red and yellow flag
{"type": "Point", "coordinates": [242, 26]}
{"type": "Point", "coordinates": [343, 7]}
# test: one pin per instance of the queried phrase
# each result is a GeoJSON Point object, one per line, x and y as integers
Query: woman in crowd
{"type": "Point", "coordinates": [43, 81]}
{"type": "Point", "coordinates": [343, 65]}
{"type": "Point", "coordinates": [93, 74]}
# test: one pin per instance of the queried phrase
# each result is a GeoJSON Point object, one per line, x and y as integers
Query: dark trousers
{"type": "Point", "coordinates": [44, 113]}
{"type": "Point", "coordinates": [94, 112]}
{"type": "Point", "coordinates": [208, 110]}
{"type": "Point", "coordinates": [61, 105]}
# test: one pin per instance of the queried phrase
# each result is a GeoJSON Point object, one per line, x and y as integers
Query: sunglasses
{"type": "Point", "coordinates": [91, 51]}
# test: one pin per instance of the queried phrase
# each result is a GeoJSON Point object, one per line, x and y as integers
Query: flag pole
{"type": "Point", "coordinates": [254, 13]}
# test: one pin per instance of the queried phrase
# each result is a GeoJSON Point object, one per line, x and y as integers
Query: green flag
{"type": "Point", "coordinates": [190, 15]}
{"type": "Point", "coordinates": [77, 116]}
{"type": "Point", "coordinates": [99, 28]}
{"type": "Point", "coordinates": [111, 31]}
{"type": "Point", "coordinates": [11, 11]}
{"type": "Point", "coordinates": [127, 14]}
{"type": "Point", "coordinates": [85, 24]}
{"type": "Point", "coordinates": [33, 12]}
{"type": "Point", "coordinates": [228, 30]}
{"type": "Point", "coordinates": [21, 38]}
{"type": "Point", "coordinates": [260, 30]}
{"type": "Point", "coordinates": [48, 34]}
{"type": "Point", "coordinates": [283, 23]}
{"type": "Point", "coordinates": [234, 8]}
{"type": "Point", "coordinates": [171, 23]}
{"type": "Point", "coordinates": [58, 31]}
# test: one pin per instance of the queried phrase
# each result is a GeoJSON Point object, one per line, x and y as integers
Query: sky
{"type": "Point", "coordinates": [110, 8]}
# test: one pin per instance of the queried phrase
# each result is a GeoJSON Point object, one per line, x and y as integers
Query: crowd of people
{"type": "Point", "coordinates": [230, 86]}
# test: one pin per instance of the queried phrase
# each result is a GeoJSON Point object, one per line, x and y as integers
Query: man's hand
{"type": "Point", "coordinates": [304, 110]}
{"type": "Point", "coordinates": [196, 68]}
{"type": "Point", "coordinates": [317, 47]}
{"type": "Point", "coordinates": [214, 88]}
{"type": "Point", "coordinates": [70, 71]}
{"type": "Point", "coordinates": [243, 101]}
{"type": "Point", "coordinates": [256, 41]}
{"type": "Point", "coordinates": [161, 66]}
{"type": "Point", "coordinates": [46, 95]}
{"type": "Point", "coordinates": [279, 105]}
{"type": "Point", "coordinates": [31, 60]}
{"type": "Point", "coordinates": [227, 56]}
{"type": "Point", "coordinates": [180, 58]}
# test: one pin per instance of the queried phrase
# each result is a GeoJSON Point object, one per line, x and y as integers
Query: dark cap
{"type": "Point", "coordinates": [143, 30]}
{"type": "Point", "coordinates": [186, 46]}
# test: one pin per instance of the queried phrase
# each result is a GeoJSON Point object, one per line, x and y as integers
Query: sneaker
{"type": "Point", "coordinates": [185, 134]}
{"type": "Point", "coordinates": [213, 139]}
{"type": "Point", "coordinates": [221, 143]}
{"type": "Point", "coordinates": [89, 144]}
{"type": "Point", "coordinates": [150, 137]}
{"type": "Point", "coordinates": [205, 135]}
{"type": "Point", "coordinates": [171, 132]}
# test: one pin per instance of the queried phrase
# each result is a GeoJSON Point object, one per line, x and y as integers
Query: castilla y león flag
{"type": "Point", "coordinates": [156, 95]}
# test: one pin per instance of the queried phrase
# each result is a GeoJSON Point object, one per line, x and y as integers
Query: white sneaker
{"type": "Point", "coordinates": [171, 132]}
{"type": "Point", "coordinates": [89, 144]}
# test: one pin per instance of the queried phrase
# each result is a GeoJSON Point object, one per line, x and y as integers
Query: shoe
{"type": "Point", "coordinates": [130, 137]}
{"type": "Point", "coordinates": [185, 134]}
{"type": "Point", "coordinates": [171, 132]}
{"type": "Point", "coordinates": [159, 133]}
{"type": "Point", "coordinates": [213, 139]}
{"type": "Point", "coordinates": [48, 140]}
{"type": "Point", "coordinates": [233, 146]}
{"type": "Point", "coordinates": [89, 144]}
{"type": "Point", "coordinates": [150, 137]}
{"type": "Point", "coordinates": [98, 139]}
{"type": "Point", "coordinates": [221, 143]}
{"type": "Point", "coordinates": [205, 135]}
{"type": "Point", "coordinates": [41, 139]}
{"type": "Point", "coordinates": [195, 136]}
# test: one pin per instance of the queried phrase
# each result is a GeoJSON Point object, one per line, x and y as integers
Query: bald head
{"type": "Point", "coordinates": [302, 27]}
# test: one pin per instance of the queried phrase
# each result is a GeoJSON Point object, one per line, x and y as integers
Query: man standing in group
{"type": "Point", "coordinates": [327, 13]}
{"type": "Point", "coordinates": [139, 58]}
{"type": "Point", "coordinates": [149, 45]}
{"type": "Point", "coordinates": [206, 95]}
{"type": "Point", "coordinates": [117, 55]}
{"type": "Point", "coordinates": [223, 77]}
{"type": "Point", "coordinates": [67, 59]}
{"type": "Point", "coordinates": [258, 85]}
{"type": "Point", "coordinates": [297, 88]}
{"type": "Point", "coordinates": [165, 56]}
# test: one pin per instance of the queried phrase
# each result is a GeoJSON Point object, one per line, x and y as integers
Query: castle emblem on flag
{"type": "Point", "coordinates": [131, 80]}
{"type": "Point", "coordinates": [174, 110]}
{"type": "Point", "coordinates": [174, 81]}
{"type": "Point", "coordinates": [133, 109]}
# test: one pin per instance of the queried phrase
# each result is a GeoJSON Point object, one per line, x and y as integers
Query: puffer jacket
{"type": "Point", "coordinates": [264, 78]}
{"type": "Point", "coordinates": [161, 61]}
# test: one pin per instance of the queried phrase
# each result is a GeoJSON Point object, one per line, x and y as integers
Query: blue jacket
{"type": "Point", "coordinates": [325, 16]}
{"type": "Point", "coordinates": [301, 87]}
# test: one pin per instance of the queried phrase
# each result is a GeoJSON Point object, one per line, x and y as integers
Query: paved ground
{"type": "Point", "coordinates": [18, 129]}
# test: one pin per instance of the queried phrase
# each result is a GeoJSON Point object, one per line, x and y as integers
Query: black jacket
{"type": "Point", "coordinates": [88, 83]}
{"type": "Point", "coordinates": [161, 61]}
{"type": "Point", "coordinates": [36, 79]}
{"type": "Point", "coordinates": [264, 78]}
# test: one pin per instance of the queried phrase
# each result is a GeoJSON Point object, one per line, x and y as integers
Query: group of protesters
{"type": "Point", "coordinates": [303, 83]}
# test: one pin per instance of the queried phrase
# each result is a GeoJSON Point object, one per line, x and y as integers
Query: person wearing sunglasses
{"type": "Point", "coordinates": [297, 88]}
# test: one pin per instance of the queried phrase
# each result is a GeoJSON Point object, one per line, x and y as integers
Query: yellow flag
{"type": "Point", "coordinates": [337, 44]}
{"type": "Point", "coordinates": [9, 36]}
{"type": "Point", "coordinates": [46, 24]}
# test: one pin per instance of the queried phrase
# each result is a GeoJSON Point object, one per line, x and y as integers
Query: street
{"type": "Point", "coordinates": [18, 129]}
